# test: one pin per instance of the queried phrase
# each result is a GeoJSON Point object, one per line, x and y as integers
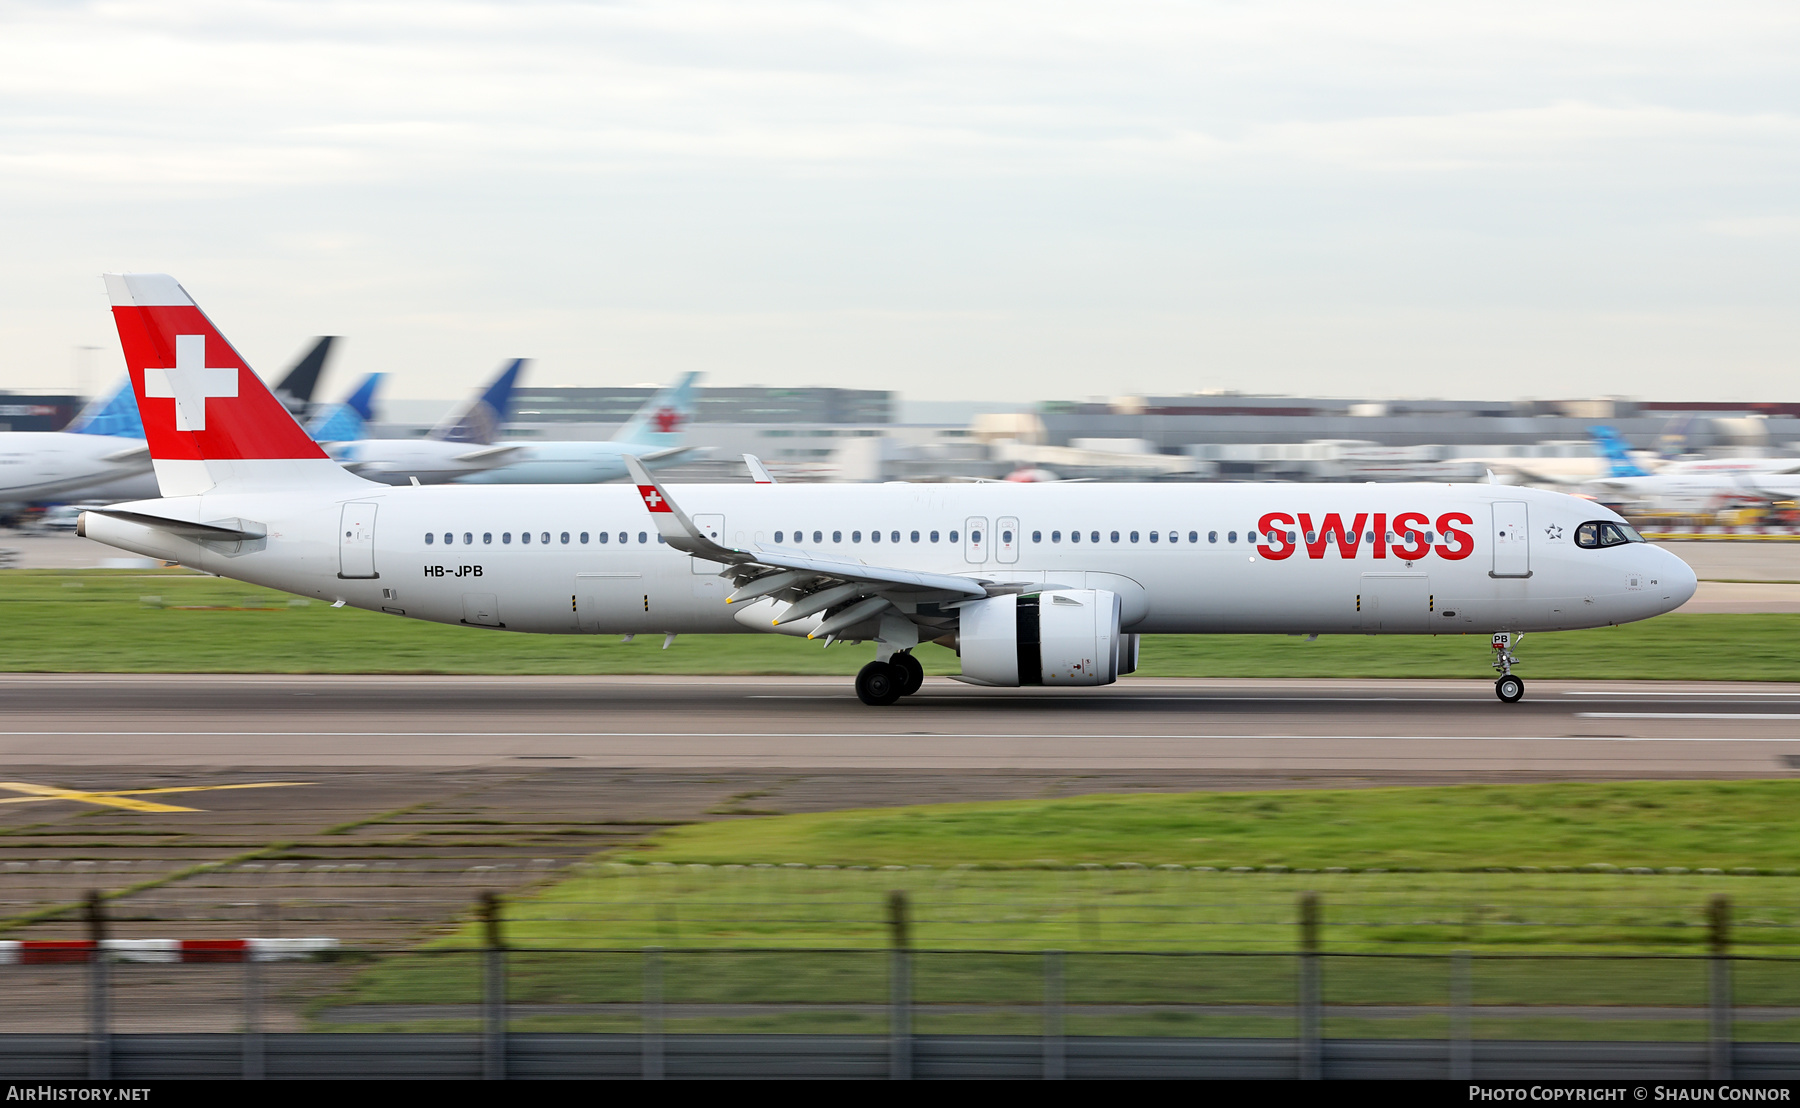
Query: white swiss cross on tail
{"type": "Point", "coordinates": [190, 383]}
{"type": "Point", "coordinates": [653, 500]}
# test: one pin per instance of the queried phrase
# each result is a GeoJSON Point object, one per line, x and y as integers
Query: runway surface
{"type": "Point", "coordinates": [1434, 728]}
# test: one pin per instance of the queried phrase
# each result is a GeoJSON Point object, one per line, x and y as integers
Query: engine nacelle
{"type": "Point", "coordinates": [1055, 637]}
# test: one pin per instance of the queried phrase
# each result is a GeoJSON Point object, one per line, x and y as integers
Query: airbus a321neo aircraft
{"type": "Point", "coordinates": [1047, 584]}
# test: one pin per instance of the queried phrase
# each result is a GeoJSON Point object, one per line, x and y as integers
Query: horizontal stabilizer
{"type": "Point", "coordinates": [219, 530]}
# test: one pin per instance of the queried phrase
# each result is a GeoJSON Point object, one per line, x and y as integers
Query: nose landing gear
{"type": "Point", "coordinates": [1509, 689]}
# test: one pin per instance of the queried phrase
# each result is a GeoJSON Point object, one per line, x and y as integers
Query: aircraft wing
{"type": "Point", "coordinates": [492, 455]}
{"type": "Point", "coordinates": [847, 596]}
{"type": "Point", "coordinates": [137, 453]}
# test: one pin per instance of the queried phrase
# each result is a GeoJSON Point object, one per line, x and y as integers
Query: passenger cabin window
{"type": "Point", "coordinates": [1212, 536]}
{"type": "Point", "coordinates": [915, 536]}
{"type": "Point", "coordinates": [604, 536]}
{"type": "Point", "coordinates": [487, 536]}
{"type": "Point", "coordinates": [1094, 536]}
{"type": "Point", "coordinates": [525, 536]}
{"type": "Point", "coordinates": [1231, 536]}
{"type": "Point", "coordinates": [1006, 536]}
{"type": "Point", "coordinates": [934, 536]}
{"type": "Point", "coordinates": [1599, 533]}
{"type": "Point", "coordinates": [894, 536]}
{"type": "Point", "coordinates": [856, 536]}
{"type": "Point", "coordinates": [624, 538]}
{"type": "Point", "coordinates": [953, 536]}
{"type": "Point", "coordinates": [874, 536]}
{"type": "Point", "coordinates": [837, 536]}
{"type": "Point", "coordinates": [1037, 536]}
{"type": "Point", "coordinates": [584, 538]}
{"type": "Point", "coordinates": [468, 539]}
{"type": "Point", "coordinates": [1134, 536]}
{"type": "Point", "coordinates": [1156, 536]}
{"type": "Point", "coordinates": [506, 536]}
{"type": "Point", "coordinates": [818, 536]}
{"type": "Point", "coordinates": [1056, 536]}
{"type": "Point", "coordinates": [778, 536]}
{"type": "Point", "coordinates": [1074, 536]}
{"type": "Point", "coordinates": [644, 536]}
{"type": "Point", "coordinates": [430, 538]}
{"type": "Point", "coordinates": [545, 538]}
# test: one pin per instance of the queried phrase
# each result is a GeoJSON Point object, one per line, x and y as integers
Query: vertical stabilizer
{"type": "Point", "coordinates": [115, 415]}
{"type": "Point", "coordinates": [296, 388]}
{"type": "Point", "coordinates": [1613, 447]}
{"type": "Point", "coordinates": [208, 419]}
{"type": "Point", "coordinates": [344, 422]}
{"type": "Point", "coordinates": [479, 423]}
{"type": "Point", "coordinates": [660, 422]}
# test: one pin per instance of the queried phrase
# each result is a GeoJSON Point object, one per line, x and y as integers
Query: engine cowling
{"type": "Point", "coordinates": [1054, 637]}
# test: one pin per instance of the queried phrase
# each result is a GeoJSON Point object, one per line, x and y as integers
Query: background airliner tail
{"type": "Point", "coordinates": [344, 422]}
{"type": "Point", "coordinates": [1613, 447]}
{"type": "Point", "coordinates": [660, 422]}
{"type": "Point", "coordinates": [115, 415]}
{"type": "Point", "coordinates": [480, 421]}
{"type": "Point", "coordinates": [209, 421]}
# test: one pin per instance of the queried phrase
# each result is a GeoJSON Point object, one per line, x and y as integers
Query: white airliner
{"type": "Point", "coordinates": [461, 445]}
{"type": "Point", "coordinates": [652, 435]}
{"type": "Point", "coordinates": [1034, 584]}
{"type": "Point", "coordinates": [101, 445]}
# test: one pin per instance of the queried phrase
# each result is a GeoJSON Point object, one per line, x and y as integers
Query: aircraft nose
{"type": "Point", "coordinates": [1676, 577]}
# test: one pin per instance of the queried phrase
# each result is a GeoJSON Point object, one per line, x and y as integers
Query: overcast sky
{"type": "Point", "coordinates": [983, 200]}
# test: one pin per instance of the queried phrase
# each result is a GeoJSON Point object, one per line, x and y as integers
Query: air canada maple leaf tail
{"type": "Point", "coordinates": [209, 421]}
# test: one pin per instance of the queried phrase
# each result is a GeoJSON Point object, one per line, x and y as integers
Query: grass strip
{"type": "Point", "coordinates": [118, 621]}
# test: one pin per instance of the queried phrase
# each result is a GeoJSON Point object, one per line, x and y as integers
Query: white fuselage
{"type": "Point", "coordinates": [1486, 558]}
{"type": "Point", "coordinates": [37, 465]}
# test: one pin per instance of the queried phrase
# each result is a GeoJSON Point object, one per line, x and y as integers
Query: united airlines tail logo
{"type": "Point", "coordinates": [1408, 536]}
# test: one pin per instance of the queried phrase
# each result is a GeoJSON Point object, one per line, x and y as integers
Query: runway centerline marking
{"type": "Point", "coordinates": [124, 798]}
{"type": "Point", "coordinates": [1036, 736]}
{"type": "Point", "coordinates": [1747, 695]}
{"type": "Point", "coordinates": [1687, 715]}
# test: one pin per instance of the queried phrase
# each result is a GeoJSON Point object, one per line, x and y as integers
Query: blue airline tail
{"type": "Point", "coordinates": [660, 422]}
{"type": "Point", "coordinates": [115, 415]}
{"type": "Point", "coordinates": [344, 422]}
{"type": "Point", "coordinates": [1613, 447]}
{"type": "Point", "coordinates": [480, 422]}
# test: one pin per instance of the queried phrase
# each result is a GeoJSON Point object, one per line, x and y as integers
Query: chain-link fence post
{"type": "Point", "coordinates": [1462, 998]}
{"type": "Point", "coordinates": [1053, 1015]}
{"type": "Point", "coordinates": [1719, 1030]}
{"type": "Point", "coordinates": [1311, 1018]}
{"type": "Point", "coordinates": [650, 1015]}
{"type": "Point", "coordinates": [99, 1044]}
{"type": "Point", "coordinates": [900, 1062]}
{"type": "Point", "coordinates": [493, 991]}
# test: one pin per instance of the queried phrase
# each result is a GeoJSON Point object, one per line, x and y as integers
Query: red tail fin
{"type": "Point", "coordinates": [208, 419]}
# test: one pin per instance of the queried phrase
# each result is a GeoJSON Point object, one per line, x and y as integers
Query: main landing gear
{"type": "Point", "coordinates": [882, 683]}
{"type": "Point", "coordinates": [1509, 689]}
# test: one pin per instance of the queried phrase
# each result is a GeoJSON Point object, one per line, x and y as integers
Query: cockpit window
{"type": "Point", "coordinates": [1599, 533]}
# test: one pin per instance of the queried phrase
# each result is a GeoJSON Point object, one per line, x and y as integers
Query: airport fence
{"type": "Point", "coordinates": [104, 1009]}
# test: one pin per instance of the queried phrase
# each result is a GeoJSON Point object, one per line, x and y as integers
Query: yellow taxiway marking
{"type": "Point", "coordinates": [124, 798]}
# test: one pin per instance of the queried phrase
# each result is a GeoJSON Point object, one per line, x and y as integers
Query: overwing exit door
{"type": "Point", "coordinates": [1006, 540]}
{"type": "Point", "coordinates": [356, 541]}
{"type": "Point", "coordinates": [1512, 539]}
{"type": "Point", "coordinates": [975, 539]}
